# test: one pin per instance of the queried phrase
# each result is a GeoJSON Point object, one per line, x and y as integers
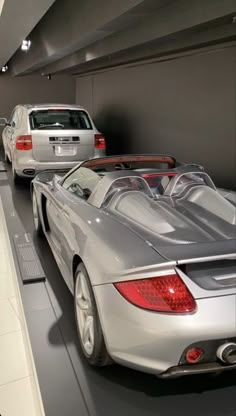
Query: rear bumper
{"type": "Point", "coordinates": [30, 168]}
{"type": "Point", "coordinates": [186, 370]}
{"type": "Point", "coordinates": [155, 342]}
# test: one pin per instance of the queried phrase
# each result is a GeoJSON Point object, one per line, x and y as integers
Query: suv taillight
{"type": "Point", "coordinates": [162, 294]}
{"type": "Point", "coordinates": [99, 141]}
{"type": "Point", "coordinates": [24, 142]}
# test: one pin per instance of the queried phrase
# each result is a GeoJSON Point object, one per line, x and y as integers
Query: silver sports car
{"type": "Point", "coordinates": [148, 247]}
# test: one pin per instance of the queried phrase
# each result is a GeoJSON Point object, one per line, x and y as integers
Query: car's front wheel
{"type": "Point", "coordinates": [87, 320]}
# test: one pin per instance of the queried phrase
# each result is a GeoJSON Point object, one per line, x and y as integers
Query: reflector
{"type": "Point", "coordinates": [194, 355]}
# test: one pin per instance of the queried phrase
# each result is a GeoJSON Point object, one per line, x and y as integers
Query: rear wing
{"type": "Point", "coordinates": [126, 159]}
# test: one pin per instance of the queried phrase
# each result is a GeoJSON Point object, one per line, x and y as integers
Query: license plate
{"type": "Point", "coordinates": [65, 150]}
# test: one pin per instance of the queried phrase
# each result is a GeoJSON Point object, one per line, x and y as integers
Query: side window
{"type": "Point", "coordinates": [82, 182]}
{"type": "Point", "coordinates": [19, 116]}
{"type": "Point", "coordinates": [84, 121]}
{"type": "Point", "coordinates": [11, 117]}
{"type": "Point", "coordinates": [14, 119]}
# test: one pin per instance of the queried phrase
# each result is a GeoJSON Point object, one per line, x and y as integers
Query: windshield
{"type": "Point", "coordinates": [59, 119]}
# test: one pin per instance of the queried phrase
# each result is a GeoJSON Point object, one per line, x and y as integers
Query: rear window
{"type": "Point", "coordinates": [59, 119]}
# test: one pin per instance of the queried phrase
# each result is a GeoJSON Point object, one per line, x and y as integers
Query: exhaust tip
{"type": "Point", "coordinates": [30, 172]}
{"type": "Point", "coordinates": [227, 353]}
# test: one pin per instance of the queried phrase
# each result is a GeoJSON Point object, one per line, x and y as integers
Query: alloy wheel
{"type": "Point", "coordinates": [35, 212]}
{"type": "Point", "coordinates": [84, 313]}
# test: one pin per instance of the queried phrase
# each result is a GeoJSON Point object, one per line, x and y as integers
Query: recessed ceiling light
{"type": "Point", "coordinates": [4, 68]}
{"type": "Point", "coordinates": [25, 45]}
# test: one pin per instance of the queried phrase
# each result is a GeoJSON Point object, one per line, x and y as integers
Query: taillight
{"type": "Point", "coordinates": [99, 141]}
{"type": "Point", "coordinates": [162, 294]}
{"type": "Point", "coordinates": [24, 142]}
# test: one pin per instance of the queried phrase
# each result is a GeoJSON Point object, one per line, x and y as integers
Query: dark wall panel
{"type": "Point", "coordinates": [185, 107]}
{"type": "Point", "coordinates": [34, 89]}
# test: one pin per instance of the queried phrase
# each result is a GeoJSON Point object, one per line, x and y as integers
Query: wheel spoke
{"type": "Point", "coordinates": [91, 332]}
{"type": "Point", "coordinates": [82, 298]}
{"type": "Point", "coordinates": [84, 288]}
{"type": "Point", "coordinates": [86, 329]}
{"type": "Point", "coordinates": [82, 303]}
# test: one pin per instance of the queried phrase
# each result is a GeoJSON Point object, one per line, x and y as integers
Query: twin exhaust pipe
{"type": "Point", "coordinates": [227, 353]}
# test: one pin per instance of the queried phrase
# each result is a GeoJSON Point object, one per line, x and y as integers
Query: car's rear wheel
{"type": "Point", "coordinates": [16, 178]}
{"type": "Point", "coordinates": [36, 218]}
{"type": "Point", "coordinates": [87, 320]}
{"type": "Point", "coordinates": [6, 158]}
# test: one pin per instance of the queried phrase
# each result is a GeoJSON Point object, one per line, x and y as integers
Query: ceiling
{"type": "Point", "coordinates": [17, 20]}
{"type": "Point", "coordinates": [1, 5]}
{"type": "Point", "coordinates": [76, 36]}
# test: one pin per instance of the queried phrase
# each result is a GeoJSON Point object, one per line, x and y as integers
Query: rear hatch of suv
{"type": "Point", "coordinates": [61, 135]}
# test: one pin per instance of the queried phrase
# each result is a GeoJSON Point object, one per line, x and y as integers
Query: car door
{"type": "Point", "coordinates": [54, 208]}
{"type": "Point", "coordinates": [63, 218]}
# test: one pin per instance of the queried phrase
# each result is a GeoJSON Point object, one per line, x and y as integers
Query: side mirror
{"type": "Point", "coordinates": [75, 188]}
{"type": "Point", "coordinates": [3, 122]}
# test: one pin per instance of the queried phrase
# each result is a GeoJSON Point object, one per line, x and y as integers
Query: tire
{"type": "Point", "coordinates": [6, 158]}
{"type": "Point", "coordinates": [16, 178]}
{"type": "Point", "coordinates": [36, 218]}
{"type": "Point", "coordinates": [86, 315]}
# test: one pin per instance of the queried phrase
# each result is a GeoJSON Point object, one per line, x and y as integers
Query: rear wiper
{"type": "Point", "coordinates": [42, 126]}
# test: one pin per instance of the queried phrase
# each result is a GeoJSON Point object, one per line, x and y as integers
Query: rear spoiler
{"type": "Point", "coordinates": [200, 252]}
{"type": "Point", "coordinates": [111, 160]}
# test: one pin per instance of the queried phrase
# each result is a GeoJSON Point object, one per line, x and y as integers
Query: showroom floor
{"type": "Point", "coordinates": [68, 384]}
{"type": "Point", "coordinates": [17, 376]}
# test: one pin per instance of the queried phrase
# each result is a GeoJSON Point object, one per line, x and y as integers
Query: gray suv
{"type": "Point", "coordinates": [50, 136]}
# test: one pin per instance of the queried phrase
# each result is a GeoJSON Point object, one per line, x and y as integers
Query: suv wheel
{"type": "Point", "coordinates": [16, 178]}
{"type": "Point", "coordinates": [6, 158]}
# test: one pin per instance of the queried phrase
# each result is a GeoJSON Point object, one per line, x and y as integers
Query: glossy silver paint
{"type": "Point", "coordinates": [118, 247]}
{"type": "Point", "coordinates": [43, 154]}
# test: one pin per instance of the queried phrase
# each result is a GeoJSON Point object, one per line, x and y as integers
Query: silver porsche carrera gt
{"type": "Point", "coordinates": [148, 248]}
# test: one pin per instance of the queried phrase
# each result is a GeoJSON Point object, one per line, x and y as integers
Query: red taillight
{"type": "Point", "coordinates": [99, 141]}
{"type": "Point", "coordinates": [24, 142]}
{"type": "Point", "coordinates": [194, 355]}
{"type": "Point", "coordinates": [162, 294]}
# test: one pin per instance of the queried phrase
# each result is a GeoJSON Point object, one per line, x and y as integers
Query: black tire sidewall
{"type": "Point", "coordinates": [15, 177]}
{"type": "Point", "coordinates": [6, 158]}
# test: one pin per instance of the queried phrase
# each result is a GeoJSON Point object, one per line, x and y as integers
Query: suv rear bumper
{"type": "Point", "coordinates": [33, 167]}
